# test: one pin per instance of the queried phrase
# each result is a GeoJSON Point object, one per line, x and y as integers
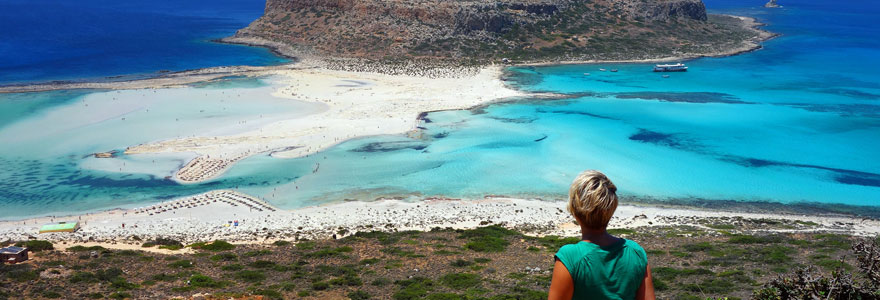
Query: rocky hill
{"type": "Point", "coordinates": [481, 30]}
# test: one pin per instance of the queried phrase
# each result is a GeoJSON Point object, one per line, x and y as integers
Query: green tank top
{"type": "Point", "coordinates": [613, 272]}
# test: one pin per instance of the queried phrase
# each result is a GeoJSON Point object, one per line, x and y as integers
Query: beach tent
{"type": "Point", "coordinates": [60, 227]}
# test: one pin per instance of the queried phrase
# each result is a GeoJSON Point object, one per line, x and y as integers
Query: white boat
{"type": "Point", "coordinates": [586, 74]}
{"type": "Point", "coordinates": [679, 67]}
{"type": "Point", "coordinates": [603, 70]}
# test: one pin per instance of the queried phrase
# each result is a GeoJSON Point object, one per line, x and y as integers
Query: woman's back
{"type": "Point", "coordinates": [612, 272]}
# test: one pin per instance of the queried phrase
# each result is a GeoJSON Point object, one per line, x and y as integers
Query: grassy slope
{"type": "Point", "coordinates": [485, 263]}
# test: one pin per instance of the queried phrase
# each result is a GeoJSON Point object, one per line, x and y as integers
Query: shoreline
{"type": "Point", "coordinates": [209, 216]}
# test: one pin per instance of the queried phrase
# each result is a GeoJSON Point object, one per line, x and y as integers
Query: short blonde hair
{"type": "Point", "coordinates": [592, 199]}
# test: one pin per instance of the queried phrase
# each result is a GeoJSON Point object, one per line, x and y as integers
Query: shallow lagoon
{"type": "Point", "coordinates": [46, 163]}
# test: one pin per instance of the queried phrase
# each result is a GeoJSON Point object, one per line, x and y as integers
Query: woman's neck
{"type": "Point", "coordinates": [598, 236]}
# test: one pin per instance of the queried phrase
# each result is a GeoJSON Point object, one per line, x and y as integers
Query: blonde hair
{"type": "Point", "coordinates": [592, 199]}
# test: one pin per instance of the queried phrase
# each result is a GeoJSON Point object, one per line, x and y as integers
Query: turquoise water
{"type": "Point", "coordinates": [796, 122]}
{"type": "Point", "coordinates": [46, 166]}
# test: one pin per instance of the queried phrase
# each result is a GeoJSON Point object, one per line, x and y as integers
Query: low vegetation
{"type": "Point", "coordinates": [490, 262]}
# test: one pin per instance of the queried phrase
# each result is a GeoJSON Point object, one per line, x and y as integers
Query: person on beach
{"type": "Point", "coordinates": [601, 266]}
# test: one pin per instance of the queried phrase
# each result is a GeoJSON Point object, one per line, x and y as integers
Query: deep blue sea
{"type": "Point", "coordinates": [44, 40]}
{"type": "Point", "coordinates": [797, 122]}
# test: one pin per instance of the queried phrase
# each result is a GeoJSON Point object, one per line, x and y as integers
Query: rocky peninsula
{"type": "Point", "coordinates": [479, 32]}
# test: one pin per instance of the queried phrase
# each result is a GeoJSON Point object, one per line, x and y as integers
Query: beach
{"type": "Point", "coordinates": [239, 218]}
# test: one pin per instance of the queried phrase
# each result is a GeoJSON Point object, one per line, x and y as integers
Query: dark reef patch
{"type": "Point", "coordinates": [846, 110]}
{"type": "Point", "coordinates": [390, 146]}
{"type": "Point", "coordinates": [573, 112]}
{"type": "Point", "coordinates": [851, 93]}
{"type": "Point", "coordinates": [441, 135]}
{"type": "Point", "coordinates": [685, 97]}
{"type": "Point", "coordinates": [657, 138]}
{"type": "Point", "coordinates": [499, 145]}
{"type": "Point", "coordinates": [520, 120]}
{"type": "Point", "coordinates": [844, 176]}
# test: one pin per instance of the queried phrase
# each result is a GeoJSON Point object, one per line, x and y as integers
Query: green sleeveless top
{"type": "Point", "coordinates": [613, 272]}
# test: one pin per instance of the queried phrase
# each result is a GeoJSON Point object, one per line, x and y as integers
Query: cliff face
{"type": "Point", "coordinates": [479, 29]}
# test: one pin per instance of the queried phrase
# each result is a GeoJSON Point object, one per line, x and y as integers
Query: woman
{"type": "Point", "coordinates": [601, 266]}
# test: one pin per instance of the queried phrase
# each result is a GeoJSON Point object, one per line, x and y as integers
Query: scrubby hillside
{"type": "Point", "coordinates": [490, 30]}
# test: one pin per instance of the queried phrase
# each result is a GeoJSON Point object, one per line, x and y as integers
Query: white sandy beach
{"type": "Point", "coordinates": [199, 218]}
{"type": "Point", "coordinates": [358, 104]}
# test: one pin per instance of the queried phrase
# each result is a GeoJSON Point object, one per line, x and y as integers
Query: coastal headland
{"type": "Point", "coordinates": [378, 76]}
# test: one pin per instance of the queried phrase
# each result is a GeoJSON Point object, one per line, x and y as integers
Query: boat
{"type": "Point", "coordinates": [679, 67]}
{"type": "Point", "coordinates": [586, 74]}
{"type": "Point", "coordinates": [613, 70]}
{"type": "Point", "coordinates": [665, 76]}
{"type": "Point", "coordinates": [603, 70]}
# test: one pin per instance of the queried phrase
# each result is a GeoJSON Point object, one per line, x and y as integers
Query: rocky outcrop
{"type": "Point", "coordinates": [664, 10]}
{"type": "Point", "coordinates": [481, 29]}
{"type": "Point", "coordinates": [772, 4]}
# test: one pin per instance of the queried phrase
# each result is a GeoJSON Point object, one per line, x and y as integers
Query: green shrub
{"type": "Point", "coordinates": [460, 281]}
{"type": "Point", "coordinates": [262, 264]}
{"type": "Point", "coordinates": [51, 294]}
{"type": "Point", "coordinates": [482, 260]}
{"type": "Point", "coordinates": [120, 295]}
{"type": "Point", "coordinates": [79, 248]}
{"type": "Point", "coordinates": [217, 245]}
{"type": "Point", "coordinates": [203, 281]}
{"type": "Point", "coordinates": [271, 294]}
{"type": "Point", "coordinates": [36, 245]}
{"type": "Point", "coordinates": [232, 267]}
{"type": "Point", "coordinates": [163, 277]}
{"type": "Point", "coordinates": [381, 281]}
{"type": "Point", "coordinates": [250, 276]}
{"type": "Point", "coordinates": [181, 264]}
{"type": "Point", "coordinates": [108, 274]}
{"type": "Point", "coordinates": [487, 244]}
{"type": "Point", "coordinates": [163, 242]}
{"type": "Point", "coordinates": [83, 277]}
{"type": "Point", "coordinates": [461, 263]}
{"type": "Point", "coordinates": [359, 295]}
{"type": "Point", "coordinates": [320, 285]}
{"type": "Point", "coordinates": [120, 284]}
{"type": "Point", "coordinates": [306, 245]}
{"type": "Point", "coordinates": [414, 288]}
{"type": "Point", "coordinates": [324, 253]}
{"type": "Point", "coordinates": [281, 243]}
{"type": "Point", "coordinates": [226, 256]}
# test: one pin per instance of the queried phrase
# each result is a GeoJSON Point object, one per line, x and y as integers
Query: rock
{"type": "Point", "coordinates": [772, 4]}
{"type": "Point", "coordinates": [376, 29]}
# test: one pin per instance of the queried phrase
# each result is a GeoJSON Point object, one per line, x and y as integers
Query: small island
{"type": "Point", "coordinates": [481, 32]}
